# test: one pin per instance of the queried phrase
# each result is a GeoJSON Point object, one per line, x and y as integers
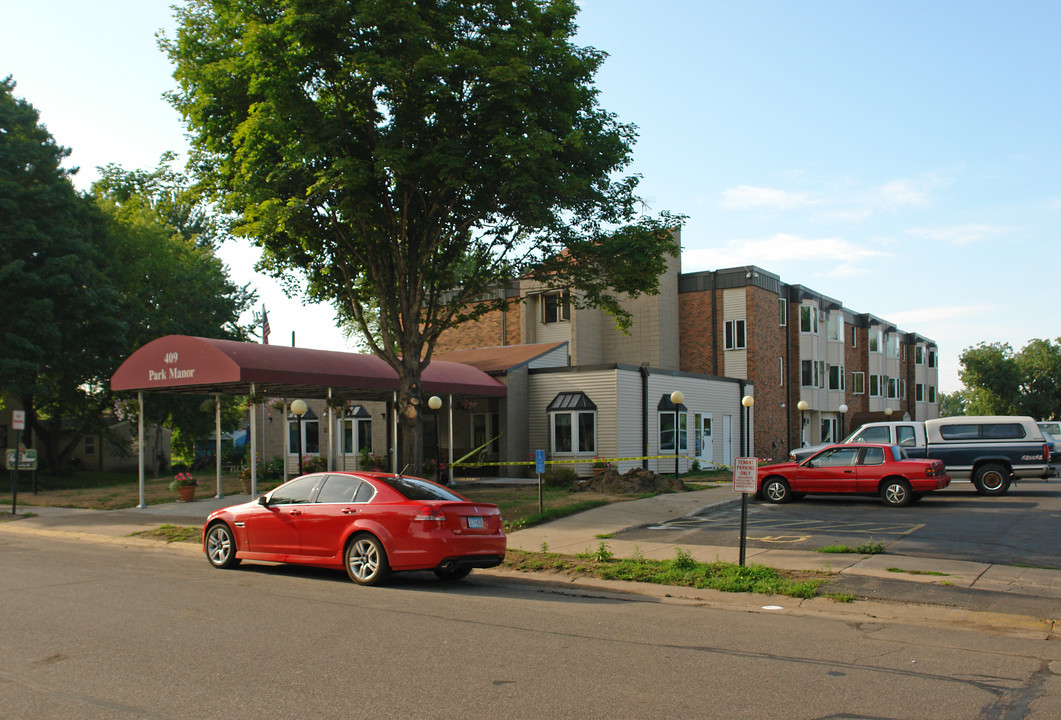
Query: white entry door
{"type": "Point", "coordinates": [705, 441]}
{"type": "Point", "coordinates": [727, 440]}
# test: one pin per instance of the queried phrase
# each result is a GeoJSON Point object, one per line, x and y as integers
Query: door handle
{"type": "Point", "coordinates": [295, 512]}
{"type": "Point", "coordinates": [349, 511]}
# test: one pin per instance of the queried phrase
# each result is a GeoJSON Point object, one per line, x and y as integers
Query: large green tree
{"type": "Point", "coordinates": [409, 155]}
{"type": "Point", "coordinates": [59, 325]}
{"type": "Point", "coordinates": [1000, 381]}
{"type": "Point", "coordinates": [163, 263]}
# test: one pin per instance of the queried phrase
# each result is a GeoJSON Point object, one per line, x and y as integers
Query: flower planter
{"type": "Point", "coordinates": [187, 493]}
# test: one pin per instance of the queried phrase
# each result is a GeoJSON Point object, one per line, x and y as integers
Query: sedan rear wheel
{"type": "Point", "coordinates": [366, 560]}
{"type": "Point", "coordinates": [776, 490]}
{"type": "Point", "coordinates": [896, 492]}
{"type": "Point", "coordinates": [221, 546]}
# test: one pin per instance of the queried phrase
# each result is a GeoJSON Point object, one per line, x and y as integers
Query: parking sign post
{"type": "Point", "coordinates": [18, 422]}
{"type": "Point", "coordinates": [745, 478]}
{"type": "Point", "coordinates": [539, 468]}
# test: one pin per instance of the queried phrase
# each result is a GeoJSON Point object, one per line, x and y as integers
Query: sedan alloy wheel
{"type": "Point", "coordinates": [366, 560]}
{"type": "Point", "coordinates": [221, 546]}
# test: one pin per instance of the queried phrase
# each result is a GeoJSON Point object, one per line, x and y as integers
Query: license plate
{"type": "Point", "coordinates": [475, 522]}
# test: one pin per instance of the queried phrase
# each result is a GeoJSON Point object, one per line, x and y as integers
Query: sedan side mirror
{"type": "Point", "coordinates": [263, 501]}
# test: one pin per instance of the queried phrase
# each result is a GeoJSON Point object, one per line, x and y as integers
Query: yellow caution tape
{"type": "Point", "coordinates": [459, 463]}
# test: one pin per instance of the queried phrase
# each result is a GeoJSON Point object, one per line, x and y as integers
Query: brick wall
{"type": "Point", "coordinates": [695, 341]}
{"type": "Point", "coordinates": [766, 347]}
{"type": "Point", "coordinates": [487, 331]}
{"type": "Point", "coordinates": [857, 360]}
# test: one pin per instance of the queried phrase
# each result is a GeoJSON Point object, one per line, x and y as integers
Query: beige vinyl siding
{"type": "Point", "coordinates": [628, 432]}
{"type": "Point", "coordinates": [702, 395]}
{"type": "Point", "coordinates": [553, 358]}
{"type": "Point", "coordinates": [734, 307]}
{"type": "Point", "coordinates": [600, 387]}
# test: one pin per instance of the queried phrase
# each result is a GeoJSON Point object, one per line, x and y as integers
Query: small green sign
{"type": "Point", "coordinates": [27, 460]}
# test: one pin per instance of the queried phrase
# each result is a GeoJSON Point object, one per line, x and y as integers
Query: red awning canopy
{"type": "Point", "coordinates": [182, 364]}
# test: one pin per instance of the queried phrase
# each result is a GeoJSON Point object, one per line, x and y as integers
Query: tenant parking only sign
{"type": "Point", "coordinates": [745, 474]}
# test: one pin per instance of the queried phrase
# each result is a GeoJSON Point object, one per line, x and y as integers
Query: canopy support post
{"type": "Point", "coordinates": [254, 446]}
{"type": "Point", "coordinates": [217, 442]}
{"type": "Point", "coordinates": [140, 444]}
{"type": "Point", "coordinates": [450, 464]}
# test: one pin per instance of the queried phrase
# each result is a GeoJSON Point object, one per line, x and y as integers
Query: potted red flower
{"type": "Point", "coordinates": [185, 484]}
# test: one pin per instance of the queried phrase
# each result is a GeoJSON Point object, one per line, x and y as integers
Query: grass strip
{"type": "Point", "coordinates": [172, 533]}
{"type": "Point", "coordinates": [682, 571]}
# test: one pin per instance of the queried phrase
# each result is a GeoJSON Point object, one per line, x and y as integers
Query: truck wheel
{"type": "Point", "coordinates": [991, 479]}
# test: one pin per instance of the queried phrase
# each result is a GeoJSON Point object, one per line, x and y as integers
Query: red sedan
{"type": "Point", "coordinates": [371, 524]}
{"type": "Point", "coordinates": [882, 470]}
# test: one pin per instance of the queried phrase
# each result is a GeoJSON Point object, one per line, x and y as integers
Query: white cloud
{"type": "Point", "coordinates": [745, 196]}
{"type": "Point", "coordinates": [940, 314]}
{"type": "Point", "coordinates": [958, 234]}
{"type": "Point", "coordinates": [899, 193]}
{"type": "Point", "coordinates": [839, 257]}
{"type": "Point", "coordinates": [843, 201]}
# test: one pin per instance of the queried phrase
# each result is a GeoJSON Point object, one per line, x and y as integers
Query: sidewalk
{"type": "Point", "coordinates": [986, 587]}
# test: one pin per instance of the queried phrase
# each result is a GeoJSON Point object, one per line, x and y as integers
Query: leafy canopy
{"type": "Point", "coordinates": [408, 156]}
{"type": "Point", "coordinates": [1000, 381]}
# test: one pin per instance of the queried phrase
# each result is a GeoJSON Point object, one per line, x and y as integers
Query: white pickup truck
{"type": "Point", "coordinates": [990, 451]}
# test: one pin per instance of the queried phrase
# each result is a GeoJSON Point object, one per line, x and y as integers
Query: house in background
{"type": "Point", "coordinates": [116, 449]}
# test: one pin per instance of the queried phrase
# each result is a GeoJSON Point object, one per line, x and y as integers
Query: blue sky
{"type": "Point", "coordinates": [901, 157]}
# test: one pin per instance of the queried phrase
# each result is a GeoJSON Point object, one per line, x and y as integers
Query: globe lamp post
{"type": "Point", "coordinates": [298, 409]}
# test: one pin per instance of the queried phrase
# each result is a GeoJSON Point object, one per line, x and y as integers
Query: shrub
{"type": "Point", "coordinates": [559, 477]}
{"type": "Point", "coordinates": [314, 463]}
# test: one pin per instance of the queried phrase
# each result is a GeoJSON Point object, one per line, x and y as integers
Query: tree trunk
{"type": "Point", "coordinates": [410, 421]}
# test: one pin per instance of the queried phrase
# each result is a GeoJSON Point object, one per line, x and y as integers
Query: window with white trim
{"type": "Point", "coordinates": [932, 393]}
{"type": "Point", "coordinates": [858, 383]}
{"type": "Point", "coordinates": [836, 377]}
{"type": "Point", "coordinates": [808, 319]}
{"type": "Point", "coordinates": [572, 424]}
{"type": "Point", "coordinates": [919, 392]}
{"type": "Point", "coordinates": [734, 334]}
{"type": "Point", "coordinates": [919, 355]}
{"type": "Point", "coordinates": [808, 373]}
{"type": "Point", "coordinates": [836, 326]}
{"type": "Point", "coordinates": [874, 340]}
{"type": "Point", "coordinates": [875, 385]}
{"type": "Point", "coordinates": [782, 308]}
{"type": "Point", "coordinates": [666, 430]}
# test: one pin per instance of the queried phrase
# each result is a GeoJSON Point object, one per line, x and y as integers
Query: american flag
{"type": "Point", "coordinates": [265, 327]}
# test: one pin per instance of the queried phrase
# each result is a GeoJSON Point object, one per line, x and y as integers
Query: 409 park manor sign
{"type": "Point", "coordinates": [170, 373]}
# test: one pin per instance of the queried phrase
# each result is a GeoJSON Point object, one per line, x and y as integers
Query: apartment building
{"type": "Point", "coordinates": [816, 369]}
{"type": "Point", "coordinates": [820, 369]}
{"type": "Point", "coordinates": [581, 389]}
